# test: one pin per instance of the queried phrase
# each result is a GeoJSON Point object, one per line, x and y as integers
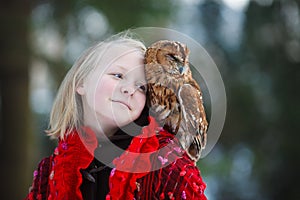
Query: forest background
{"type": "Point", "coordinates": [254, 43]}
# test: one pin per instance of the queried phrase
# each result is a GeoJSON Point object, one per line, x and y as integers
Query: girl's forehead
{"type": "Point", "coordinates": [120, 57]}
{"type": "Point", "coordinates": [127, 59]}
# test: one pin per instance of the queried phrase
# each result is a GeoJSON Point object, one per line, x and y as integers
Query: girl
{"type": "Point", "coordinates": [96, 115]}
{"type": "Point", "coordinates": [104, 90]}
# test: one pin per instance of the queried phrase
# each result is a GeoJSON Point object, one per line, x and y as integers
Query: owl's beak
{"type": "Point", "coordinates": [182, 69]}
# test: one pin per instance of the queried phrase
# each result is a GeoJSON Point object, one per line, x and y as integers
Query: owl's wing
{"type": "Point", "coordinates": [164, 106]}
{"type": "Point", "coordinates": [193, 118]}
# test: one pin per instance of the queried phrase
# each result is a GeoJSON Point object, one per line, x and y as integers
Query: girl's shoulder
{"type": "Point", "coordinates": [59, 174]}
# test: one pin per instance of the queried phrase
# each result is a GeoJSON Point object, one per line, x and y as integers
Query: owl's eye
{"type": "Point", "coordinates": [172, 57]}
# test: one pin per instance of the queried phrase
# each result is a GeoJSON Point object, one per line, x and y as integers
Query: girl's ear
{"type": "Point", "coordinates": [80, 90]}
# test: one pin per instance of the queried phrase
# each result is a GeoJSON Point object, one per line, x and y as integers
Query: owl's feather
{"type": "Point", "coordinates": [192, 111]}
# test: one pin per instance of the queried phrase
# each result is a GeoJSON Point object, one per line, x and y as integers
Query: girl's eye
{"type": "Point", "coordinates": [118, 75]}
{"type": "Point", "coordinates": [142, 87]}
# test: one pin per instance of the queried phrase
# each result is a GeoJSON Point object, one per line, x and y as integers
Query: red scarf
{"type": "Point", "coordinates": [158, 173]}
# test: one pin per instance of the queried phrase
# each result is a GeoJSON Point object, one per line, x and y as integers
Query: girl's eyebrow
{"type": "Point", "coordinates": [122, 67]}
{"type": "Point", "coordinates": [117, 67]}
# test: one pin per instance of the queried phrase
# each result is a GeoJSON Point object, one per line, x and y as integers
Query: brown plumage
{"type": "Point", "coordinates": [174, 97]}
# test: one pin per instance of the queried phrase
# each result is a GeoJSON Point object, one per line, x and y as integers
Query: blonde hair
{"type": "Point", "coordinates": [67, 111]}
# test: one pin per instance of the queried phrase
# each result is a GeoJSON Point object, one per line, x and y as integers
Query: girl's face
{"type": "Point", "coordinates": [114, 96]}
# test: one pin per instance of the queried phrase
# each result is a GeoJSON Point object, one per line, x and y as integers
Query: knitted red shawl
{"type": "Point", "coordinates": [157, 169]}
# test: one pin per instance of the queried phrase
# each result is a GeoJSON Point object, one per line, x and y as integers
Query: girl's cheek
{"type": "Point", "coordinates": [142, 101]}
{"type": "Point", "coordinates": [106, 86]}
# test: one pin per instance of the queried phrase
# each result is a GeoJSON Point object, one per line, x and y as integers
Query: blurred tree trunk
{"type": "Point", "coordinates": [14, 105]}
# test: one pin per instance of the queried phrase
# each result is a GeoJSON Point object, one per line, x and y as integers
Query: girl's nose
{"type": "Point", "coordinates": [128, 90]}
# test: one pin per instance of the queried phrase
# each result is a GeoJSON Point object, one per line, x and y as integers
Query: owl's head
{"type": "Point", "coordinates": [172, 56]}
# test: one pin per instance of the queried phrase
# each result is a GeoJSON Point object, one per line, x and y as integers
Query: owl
{"type": "Point", "coordinates": [174, 97]}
